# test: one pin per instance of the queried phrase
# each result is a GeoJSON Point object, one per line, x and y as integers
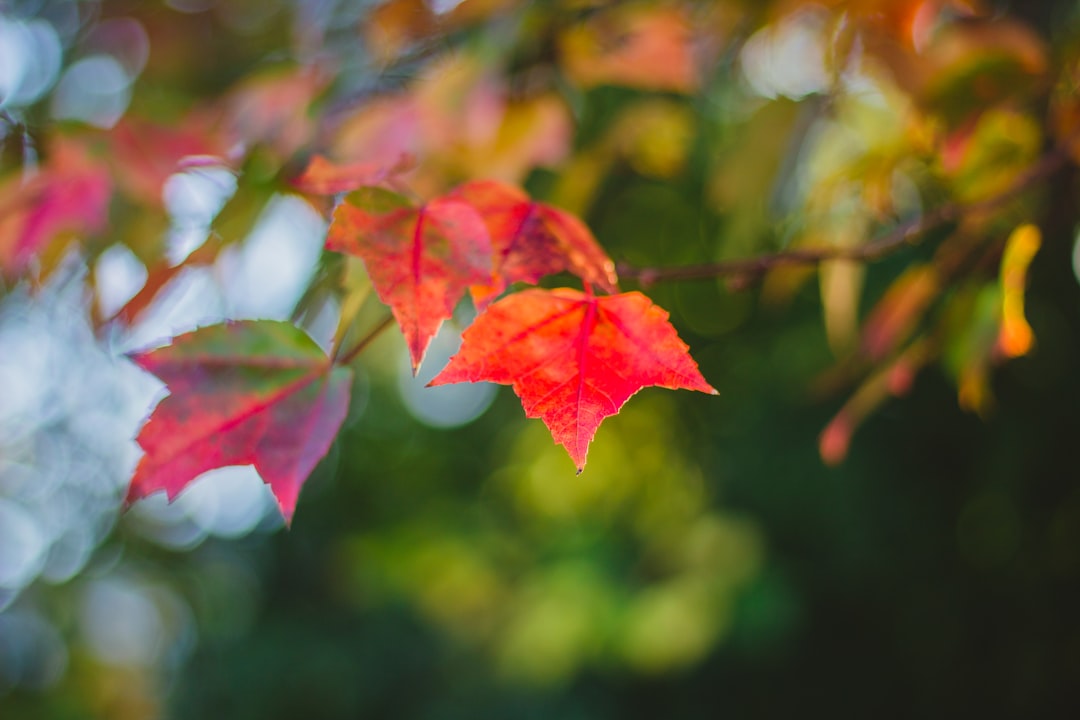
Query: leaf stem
{"type": "Point", "coordinates": [365, 341]}
{"type": "Point", "coordinates": [907, 233]}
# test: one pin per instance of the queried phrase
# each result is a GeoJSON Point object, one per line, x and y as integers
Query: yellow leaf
{"type": "Point", "coordinates": [1015, 337]}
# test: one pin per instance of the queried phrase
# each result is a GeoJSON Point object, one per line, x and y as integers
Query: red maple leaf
{"type": "Point", "coordinates": [531, 239]}
{"type": "Point", "coordinates": [421, 259]}
{"type": "Point", "coordinates": [574, 359]}
{"type": "Point", "coordinates": [256, 393]}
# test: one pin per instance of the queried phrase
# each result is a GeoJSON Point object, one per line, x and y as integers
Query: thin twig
{"type": "Point", "coordinates": [367, 340]}
{"type": "Point", "coordinates": [908, 233]}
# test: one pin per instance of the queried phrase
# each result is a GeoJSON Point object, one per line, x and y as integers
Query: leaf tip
{"type": "Point", "coordinates": [835, 439]}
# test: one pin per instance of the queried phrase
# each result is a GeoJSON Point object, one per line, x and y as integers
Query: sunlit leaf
{"type": "Point", "coordinates": [574, 359]}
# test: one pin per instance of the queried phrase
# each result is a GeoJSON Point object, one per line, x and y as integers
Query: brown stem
{"type": "Point", "coordinates": [367, 340]}
{"type": "Point", "coordinates": [907, 233]}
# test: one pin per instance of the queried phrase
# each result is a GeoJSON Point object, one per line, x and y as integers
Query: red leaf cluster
{"type": "Point", "coordinates": [263, 393]}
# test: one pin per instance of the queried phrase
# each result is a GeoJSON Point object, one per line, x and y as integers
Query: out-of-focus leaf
{"type": "Point", "coordinates": [381, 132]}
{"type": "Point", "coordinates": [980, 64]}
{"type": "Point", "coordinates": [1015, 337]}
{"type": "Point", "coordinates": [323, 177]}
{"type": "Point", "coordinates": [744, 176]}
{"type": "Point", "coordinates": [69, 196]}
{"type": "Point", "coordinates": [532, 132]}
{"type": "Point", "coordinates": [986, 158]}
{"type": "Point", "coordinates": [841, 286]}
{"type": "Point", "coordinates": [574, 359]}
{"type": "Point", "coordinates": [161, 274]}
{"type": "Point", "coordinates": [894, 380]}
{"type": "Point", "coordinates": [458, 120]}
{"type": "Point", "coordinates": [271, 109]}
{"type": "Point", "coordinates": [972, 350]}
{"type": "Point", "coordinates": [394, 27]}
{"type": "Point", "coordinates": [654, 136]}
{"type": "Point", "coordinates": [897, 313]}
{"type": "Point", "coordinates": [461, 100]}
{"type": "Point", "coordinates": [638, 45]}
{"type": "Point", "coordinates": [144, 154]}
{"type": "Point", "coordinates": [254, 392]}
{"type": "Point", "coordinates": [1065, 107]}
{"type": "Point", "coordinates": [968, 66]}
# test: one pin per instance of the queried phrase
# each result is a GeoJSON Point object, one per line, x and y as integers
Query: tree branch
{"type": "Point", "coordinates": [905, 234]}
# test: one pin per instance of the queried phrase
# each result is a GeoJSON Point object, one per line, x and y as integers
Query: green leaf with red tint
{"type": "Point", "coordinates": [574, 359]}
{"type": "Point", "coordinates": [256, 393]}
{"type": "Point", "coordinates": [531, 239]}
{"type": "Point", "coordinates": [421, 259]}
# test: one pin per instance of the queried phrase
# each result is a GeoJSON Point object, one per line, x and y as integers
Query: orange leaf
{"type": "Point", "coordinates": [574, 359]}
{"type": "Point", "coordinates": [1016, 338]}
{"type": "Point", "coordinates": [633, 45]}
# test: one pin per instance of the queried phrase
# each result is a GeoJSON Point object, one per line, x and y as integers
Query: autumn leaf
{"type": "Point", "coordinates": [1015, 337]}
{"type": "Point", "coordinates": [256, 393]}
{"type": "Point", "coordinates": [574, 359]}
{"type": "Point", "coordinates": [271, 109]}
{"type": "Point", "coordinates": [144, 155]}
{"type": "Point", "coordinates": [633, 45]}
{"type": "Point", "coordinates": [421, 259]}
{"type": "Point", "coordinates": [900, 309]}
{"type": "Point", "coordinates": [324, 177]}
{"type": "Point", "coordinates": [531, 239]}
{"type": "Point", "coordinates": [68, 196]}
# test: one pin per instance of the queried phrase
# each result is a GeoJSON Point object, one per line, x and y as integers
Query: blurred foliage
{"type": "Point", "coordinates": [878, 517]}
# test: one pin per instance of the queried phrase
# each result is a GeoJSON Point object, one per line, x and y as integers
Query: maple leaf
{"type": "Point", "coordinates": [531, 239]}
{"type": "Point", "coordinates": [421, 259]}
{"type": "Point", "coordinates": [256, 393]}
{"type": "Point", "coordinates": [574, 359]}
